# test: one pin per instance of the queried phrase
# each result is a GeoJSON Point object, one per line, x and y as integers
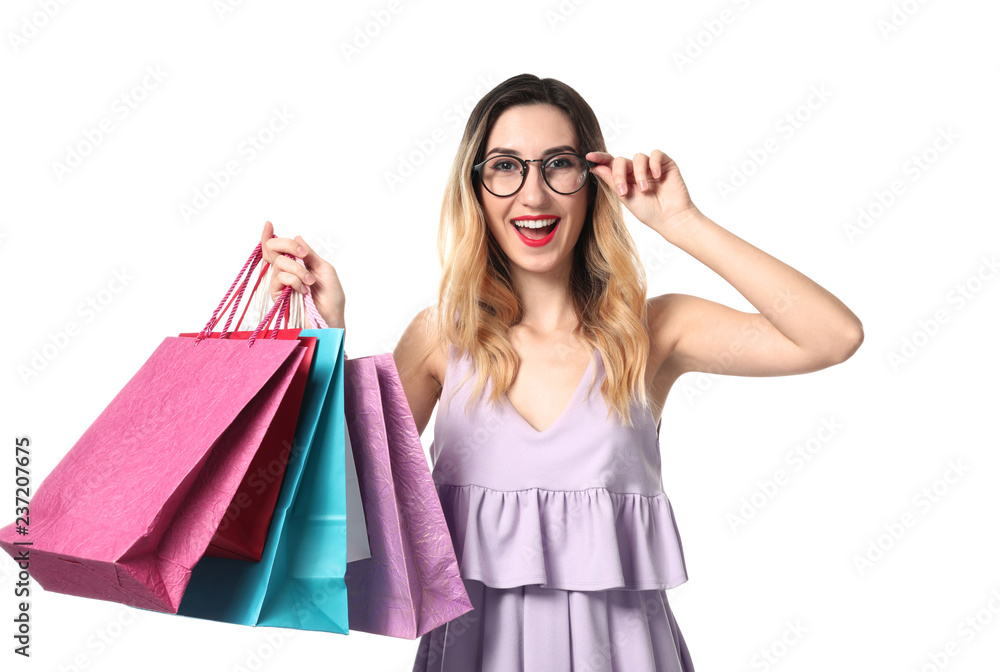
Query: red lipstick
{"type": "Point", "coordinates": [530, 241]}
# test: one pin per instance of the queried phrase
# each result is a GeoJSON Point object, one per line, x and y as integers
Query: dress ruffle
{"type": "Point", "coordinates": [571, 540]}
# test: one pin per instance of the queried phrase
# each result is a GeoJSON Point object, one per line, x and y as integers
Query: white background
{"type": "Point", "coordinates": [890, 88]}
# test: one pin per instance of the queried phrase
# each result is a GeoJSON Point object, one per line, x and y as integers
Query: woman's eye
{"type": "Point", "coordinates": [504, 165]}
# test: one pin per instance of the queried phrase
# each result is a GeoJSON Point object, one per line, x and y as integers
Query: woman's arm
{"type": "Point", "coordinates": [799, 326]}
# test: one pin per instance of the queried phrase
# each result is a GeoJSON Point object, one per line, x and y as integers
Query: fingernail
{"type": "Point", "coordinates": [301, 251]}
{"type": "Point", "coordinates": [304, 289]}
{"type": "Point", "coordinates": [310, 279]}
{"type": "Point", "coordinates": [621, 189]}
{"type": "Point", "coordinates": [656, 174]}
{"type": "Point", "coordinates": [642, 185]}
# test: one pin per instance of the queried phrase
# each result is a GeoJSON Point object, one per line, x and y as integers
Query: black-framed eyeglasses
{"type": "Point", "coordinates": [504, 175]}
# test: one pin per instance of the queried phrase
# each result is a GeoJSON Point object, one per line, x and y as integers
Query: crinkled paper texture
{"type": "Point", "coordinates": [132, 506]}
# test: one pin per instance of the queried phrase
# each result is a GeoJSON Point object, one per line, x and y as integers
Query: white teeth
{"type": "Point", "coordinates": [535, 223]}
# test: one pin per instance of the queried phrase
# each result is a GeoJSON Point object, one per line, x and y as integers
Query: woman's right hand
{"type": "Point", "coordinates": [317, 274]}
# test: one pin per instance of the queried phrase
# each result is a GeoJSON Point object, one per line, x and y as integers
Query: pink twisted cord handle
{"type": "Point", "coordinates": [243, 279]}
{"type": "Point", "coordinates": [251, 263]}
{"type": "Point", "coordinates": [313, 313]}
{"type": "Point", "coordinates": [236, 301]}
{"type": "Point", "coordinates": [281, 305]}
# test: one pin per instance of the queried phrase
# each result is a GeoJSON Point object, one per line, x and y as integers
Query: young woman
{"type": "Point", "coordinates": [553, 368]}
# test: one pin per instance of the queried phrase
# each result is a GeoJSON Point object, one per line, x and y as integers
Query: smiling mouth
{"type": "Point", "coordinates": [535, 229]}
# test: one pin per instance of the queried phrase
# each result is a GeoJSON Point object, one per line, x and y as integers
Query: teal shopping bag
{"type": "Point", "coordinates": [299, 581]}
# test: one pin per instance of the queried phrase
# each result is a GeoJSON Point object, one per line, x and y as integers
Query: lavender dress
{"type": "Point", "coordinates": [564, 538]}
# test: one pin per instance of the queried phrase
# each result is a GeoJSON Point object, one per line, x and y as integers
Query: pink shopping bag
{"type": "Point", "coordinates": [133, 505]}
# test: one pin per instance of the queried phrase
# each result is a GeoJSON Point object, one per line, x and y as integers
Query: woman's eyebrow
{"type": "Point", "coordinates": [514, 152]}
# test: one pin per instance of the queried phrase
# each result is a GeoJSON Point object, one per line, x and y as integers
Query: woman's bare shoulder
{"type": "Point", "coordinates": [438, 357]}
{"type": "Point", "coordinates": [420, 348]}
{"type": "Point", "coordinates": [420, 362]}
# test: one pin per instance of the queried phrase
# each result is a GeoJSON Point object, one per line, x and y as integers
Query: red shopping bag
{"type": "Point", "coordinates": [133, 505]}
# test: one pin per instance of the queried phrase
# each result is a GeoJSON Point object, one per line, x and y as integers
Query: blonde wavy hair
{"type": "Point", "coordinates": [477, 304]}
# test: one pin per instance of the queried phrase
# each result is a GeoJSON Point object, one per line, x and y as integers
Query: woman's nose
{"type": "Point", "coordinates": [534, 191]}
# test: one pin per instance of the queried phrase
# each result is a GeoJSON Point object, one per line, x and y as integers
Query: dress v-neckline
{"type": "Point", "coordinates": [566, 410]}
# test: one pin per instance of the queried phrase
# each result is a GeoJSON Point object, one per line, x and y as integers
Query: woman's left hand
{"type": "Point", "coordinates": [651, 187]}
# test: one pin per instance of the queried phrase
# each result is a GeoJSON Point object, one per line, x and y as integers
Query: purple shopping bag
{"type": "Point", "coordinates": [411, 584]}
